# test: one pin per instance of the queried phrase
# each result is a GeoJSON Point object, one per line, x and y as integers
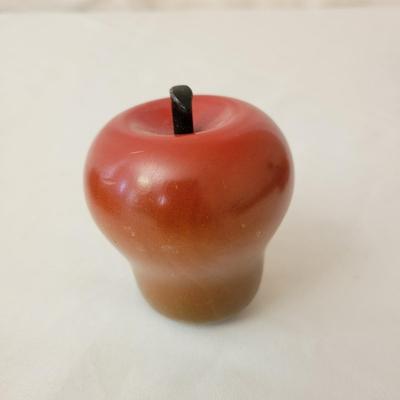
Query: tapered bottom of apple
{"type": "Point", "coordinates": [200, 296]}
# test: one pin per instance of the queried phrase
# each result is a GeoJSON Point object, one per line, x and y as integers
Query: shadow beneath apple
{"type": "Point", "coordinates": [304, 252]}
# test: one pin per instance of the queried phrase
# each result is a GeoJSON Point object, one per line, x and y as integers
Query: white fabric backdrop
{"type": "Point", "coordinates": [178, 4]}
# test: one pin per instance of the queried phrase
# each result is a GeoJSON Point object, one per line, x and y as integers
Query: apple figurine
{"type": "Point", "coordinates": [191, 189]}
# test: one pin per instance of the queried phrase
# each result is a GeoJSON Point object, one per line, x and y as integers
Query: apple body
{"type": "Point", "coordinates": [192, 213]}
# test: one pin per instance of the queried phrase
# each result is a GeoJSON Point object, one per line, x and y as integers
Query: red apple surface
{"type": "Point", "coordinates": [192, 213]}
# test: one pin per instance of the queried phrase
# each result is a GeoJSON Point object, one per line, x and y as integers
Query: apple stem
{"type": "Point", "coordinates": [181, 101]}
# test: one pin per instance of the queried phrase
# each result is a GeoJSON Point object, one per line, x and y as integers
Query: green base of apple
{"type": "Point", "coordinates": [200, 297]}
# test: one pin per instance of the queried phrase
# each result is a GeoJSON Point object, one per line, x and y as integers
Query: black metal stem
{"type": "Point", "coordinates": [181, 101]}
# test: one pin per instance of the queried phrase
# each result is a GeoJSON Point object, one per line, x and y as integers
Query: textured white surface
{"type": "Point", "coordinates": [326, 321]}
{"type": "Point", "coordinates": [86, 5]}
